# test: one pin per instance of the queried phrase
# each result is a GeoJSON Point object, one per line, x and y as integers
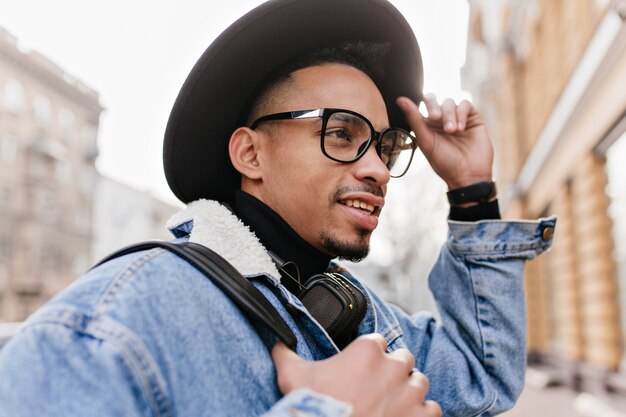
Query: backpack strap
{"type": "Point", "coordinates": [241, 291]}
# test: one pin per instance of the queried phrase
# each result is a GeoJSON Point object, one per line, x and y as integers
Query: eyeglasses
{"type": "Point", "coordinates": [346, 136]}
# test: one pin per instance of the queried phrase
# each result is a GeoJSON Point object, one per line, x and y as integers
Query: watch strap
{"type": "Point", "coordinates": [481, 211]}
{"type": "Point", "coordinates": [480, 192]}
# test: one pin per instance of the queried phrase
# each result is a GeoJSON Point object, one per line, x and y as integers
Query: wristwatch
{"type": "Point", "coordinates": [480, 192]}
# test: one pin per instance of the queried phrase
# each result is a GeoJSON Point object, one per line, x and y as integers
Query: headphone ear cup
{"type": "Point", "coordinates": [337, 304]}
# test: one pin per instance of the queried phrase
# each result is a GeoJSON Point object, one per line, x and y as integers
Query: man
{"type": "Point", "coordinates": [283, 140]}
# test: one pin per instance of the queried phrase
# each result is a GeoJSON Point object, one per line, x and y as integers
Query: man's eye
{"type": "Point", "coordinates": [339, 134]}
{"type": "Point", "coordinates": [389, 152]}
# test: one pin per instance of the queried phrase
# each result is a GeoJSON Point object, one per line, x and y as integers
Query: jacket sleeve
{"type": "Point", "coordinates": [53, 370]}
{"type": "Point", "coordinates": [475, 356]}
{"type": "Point", "coordinates": [304, 402]}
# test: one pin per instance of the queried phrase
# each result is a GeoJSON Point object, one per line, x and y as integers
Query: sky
{"type": "Point", "coordinates": [136, 55]}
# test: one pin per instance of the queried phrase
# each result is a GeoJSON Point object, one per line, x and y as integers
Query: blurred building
{"type": "Point", "coordinates": [550, 78]}
{"type": "Point", "coordinates": [125, 215]}
{"type": "Point", "coordinates": [48, 145]}
{"type": "Point", "coordinates": [58, 215]}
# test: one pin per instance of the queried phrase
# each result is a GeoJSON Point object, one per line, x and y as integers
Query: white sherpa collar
{"type": "Point", "coordinates": [217, 228]}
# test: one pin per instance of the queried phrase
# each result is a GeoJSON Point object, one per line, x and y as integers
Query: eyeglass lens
{"type": "Point", "coordinates": [347, 137]}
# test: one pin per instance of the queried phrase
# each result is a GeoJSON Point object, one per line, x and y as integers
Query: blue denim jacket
{"type": "Point", "coordinates": [148, 335]}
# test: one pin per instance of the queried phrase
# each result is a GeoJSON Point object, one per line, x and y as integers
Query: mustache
{"type": "Point", "coordinates": [365, 188]}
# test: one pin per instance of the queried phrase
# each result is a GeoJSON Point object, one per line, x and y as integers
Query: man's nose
{"type": "Point", "coordinates": [372, 167]}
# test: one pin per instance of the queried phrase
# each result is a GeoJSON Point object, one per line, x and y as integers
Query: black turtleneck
{"type": "Point", "coordinates": [277, 236]}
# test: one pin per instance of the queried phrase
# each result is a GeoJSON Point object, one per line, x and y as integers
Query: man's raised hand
{"type": "Point", "coordinates": [453, 138]}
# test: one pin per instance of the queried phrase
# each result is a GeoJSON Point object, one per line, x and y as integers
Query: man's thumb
{"type": "Point", "coordinates": [282, 355]}
{"type": "Point", "coordinates": [289, 366]}
{"type": "Point", "coordinates": [417, 123]}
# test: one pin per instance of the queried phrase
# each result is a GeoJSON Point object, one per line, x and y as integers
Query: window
{"type": "Point", "coordinates": [90, 137]}
{"type": "Point", "coordinates": [5, 260]}
{"type": "Point", "coordinates": [87, 180]}
{"type": "Point", "coordinates": [80, 264]}
{"type": "Point", "coordinates": [67, 121]}
{"type": "Point", "coordinates": [63, 171]}
{"type": "Point", "coordinates": [5, 195]}
{"type": "Point", "coordinates": [81, 222]}
{"type": "Point", "coordinates": [51, 208]}
{"type": "Point", "coordinates": [51, 257]}
{"type": "Point", "coordinates": [8, 148]}
{"type": "Point", "coordinates": [37, 167]}
{"type": "Point", "coordinates": [43, 111]}
{"type": "Point", "coordinates": [13, 96]}
{"type": "Point", "coordinates": [5, 248]}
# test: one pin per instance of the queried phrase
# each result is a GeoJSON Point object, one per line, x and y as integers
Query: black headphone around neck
{"type": "Point", "coordinates": [335, 302]}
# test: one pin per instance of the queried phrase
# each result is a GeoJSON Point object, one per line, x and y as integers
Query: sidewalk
{"type": "Point", "coordinates": [545, 402]}
{"type": "Point", "coordinates": [541, 399]}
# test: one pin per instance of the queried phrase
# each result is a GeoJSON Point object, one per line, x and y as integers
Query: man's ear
{"type": "Point", "coordinates": [243, 150]}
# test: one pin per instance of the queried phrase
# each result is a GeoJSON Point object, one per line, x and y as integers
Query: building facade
{"type": "Point", "coordinates": [48, 146]}
{"type": "Point", "coordinates": [123, 215]}
{"type": "Point", "coordinates": [550, 77]}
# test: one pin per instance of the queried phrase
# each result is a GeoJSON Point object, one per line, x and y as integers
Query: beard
{"type": "Point", "coordinates": [353, 251]}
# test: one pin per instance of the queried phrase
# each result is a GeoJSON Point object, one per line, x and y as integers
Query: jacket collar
{"type": "Point", "coordinates": [213, 225]}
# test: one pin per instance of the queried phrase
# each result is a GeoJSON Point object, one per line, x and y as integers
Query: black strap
{"type": "Point", "coordinates": [241, 291]}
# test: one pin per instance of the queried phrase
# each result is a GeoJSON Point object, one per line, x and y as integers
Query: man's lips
{"type": "Point", "coordinates": [359, 204]}
{"type": "Point", "coordinates": [365, 201]}
{"type": "Point", "coordinates": [364, 208]}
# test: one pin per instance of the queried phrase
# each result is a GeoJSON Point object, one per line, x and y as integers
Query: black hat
{"type": "Point", "coordinates": [210, 102]}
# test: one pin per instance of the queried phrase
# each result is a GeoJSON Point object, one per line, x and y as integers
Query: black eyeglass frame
{"type": "Point", "coordinates": [324, 114]}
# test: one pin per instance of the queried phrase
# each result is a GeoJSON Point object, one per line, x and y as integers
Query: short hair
{"type": "Point", "coordinates": [367, 57]}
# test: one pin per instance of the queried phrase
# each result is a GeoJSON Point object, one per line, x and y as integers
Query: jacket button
{"type": "Point", "coordinates": [547, 233]}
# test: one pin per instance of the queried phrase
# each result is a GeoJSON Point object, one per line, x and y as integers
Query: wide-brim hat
{"type": "Point", "coordinates": [209, 105]}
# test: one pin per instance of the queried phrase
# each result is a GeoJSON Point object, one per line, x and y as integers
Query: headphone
{"type": "Point", "coordinates": [335, 302]}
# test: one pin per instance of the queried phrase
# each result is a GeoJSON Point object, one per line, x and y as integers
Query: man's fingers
{"type": "Point", "coordinates": [376, 338]}
{"type": "Point", "coordinates": [370, 346]}
{"type": "Point", "coordinates": [406, 358]}
{"type": "Point", "coordinates": [364, 375]}
{"type": "Point", "coordinates": [432, 106]}
{"type": "Point", "coordinates": [462, 111]}
{"type": "Point", "coordinates": [288, 367]}
{"type": "Point", "coordinates": [448, 108]}
{"type": "Point", "coordinates": [433, 408]}
{"type": "Point", "coordinates": [410, 110]}
{"type": "Point", "coordinates": [419, 380]}
{"type": "Point", "coordinates": [418, 124]}
{"type": "Point", "coordinates": [283, 356]}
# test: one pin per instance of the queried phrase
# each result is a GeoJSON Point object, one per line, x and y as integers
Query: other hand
{"type": "Point", "coordinates": [375, 383]}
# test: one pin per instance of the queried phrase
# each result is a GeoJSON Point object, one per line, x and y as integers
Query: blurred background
{"type": "Point", "coordinates": [85, 92]}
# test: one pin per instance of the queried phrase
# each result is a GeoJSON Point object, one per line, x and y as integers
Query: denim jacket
{"type": "Point", "coordinates": [148, 335]}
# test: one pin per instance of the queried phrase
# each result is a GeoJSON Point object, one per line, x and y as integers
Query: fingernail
{"type": "Point", "coordinates": [450, 126]}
